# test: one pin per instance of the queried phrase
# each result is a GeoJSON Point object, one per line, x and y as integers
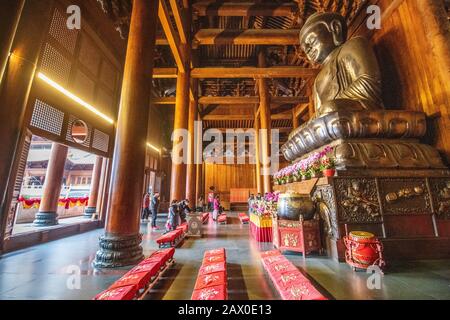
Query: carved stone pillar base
{"type": "Point", "coordinates": [45, 219]}
{"type": "Point", "coordinates": [118, 251]}
{"type": "Point", "coordinates": [89, 212]}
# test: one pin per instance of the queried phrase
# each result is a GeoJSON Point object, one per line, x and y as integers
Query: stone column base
{"type": "Point", "coordinates": [45, 219]}
{"type": "Point", "coordinates": [118, 251]}
{"type": "Point", "coordinates": [89, 212]}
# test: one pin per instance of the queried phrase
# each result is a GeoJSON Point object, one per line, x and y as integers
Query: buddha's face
{"type": "Point", "coordinates": [318, 43]}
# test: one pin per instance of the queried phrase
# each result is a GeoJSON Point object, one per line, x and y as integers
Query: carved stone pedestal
{"type": "Point", "coordinates": [408, 210]}
{"type": "Point", "coordinates": [118, 251]}
{"type": "Point", "coordinates": [45, 219]}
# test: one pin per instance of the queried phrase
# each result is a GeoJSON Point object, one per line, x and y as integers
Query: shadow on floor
{"type": "Point", "coordinates": [164, 283]}
{"type": "Point", "coordinates": [237, 289]}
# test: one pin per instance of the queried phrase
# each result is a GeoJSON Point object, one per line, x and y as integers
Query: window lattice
{"type": "Point", "coordinates": [101, 141]}
{"type": "Point", "coordinates": [59, 31]}
{"type": "Point", "coordinates": [87, 142]}
{"type": "Point", "coordinates": [55, 65]}
{"type": "Point", "coordinates": [47, 118]}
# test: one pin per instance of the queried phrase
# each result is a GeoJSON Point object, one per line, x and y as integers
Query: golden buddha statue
{"type": "Point", "coordinates": [350, 115]}
{"type": "Point", "coordinates": [350, 78]}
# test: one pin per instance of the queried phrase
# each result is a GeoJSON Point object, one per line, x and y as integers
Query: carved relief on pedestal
{"type": "Point", "coordinates": [290, 239]}
{"type": "Point", "coordinates": [357, 200]}
{"type": "Point", "coordinates": [440, 189]}
{"type": "Point", "coordinates": [326, 204]}
{"type": "Point", "coordinates": [404, 196]}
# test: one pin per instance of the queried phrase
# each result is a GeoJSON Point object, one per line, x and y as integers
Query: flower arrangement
{"type": "Point", "coordinates": [313, 165]}
{"type": "Point", "coordinates": [267, 206]}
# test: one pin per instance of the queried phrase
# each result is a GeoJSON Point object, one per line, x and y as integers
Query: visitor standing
{"type": "Point", "coordinates": [216, 207]}
{"type": "Point", "coordinates": [145, 208]}
{"type": "Point", "coordinates": [154, 206]}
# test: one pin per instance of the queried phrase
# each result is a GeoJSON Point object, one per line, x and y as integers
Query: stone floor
{"type": "Point", "coordinates": [44, 271]}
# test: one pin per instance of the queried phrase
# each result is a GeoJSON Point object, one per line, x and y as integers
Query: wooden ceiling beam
{"type": "Point", "coordinates": [180, 20]}
{"type": "Point", "coordinates": [165, 73]}
{"type": "Point", "coordinates": [233, 100]}
{"type": "Point", "coordinates": [244, 9]}
{"type": "Point", "coordinates": [171, 35]}
{"type": "Point", "coordinates": [228, 117]}
{"type": "Point", "coordinates": [254, 72]}
{"type": "Point", "coordinates": [248, 36]}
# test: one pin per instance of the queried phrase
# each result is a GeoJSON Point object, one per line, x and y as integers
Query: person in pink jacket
{"type": "Point", "coordinates": [216, 206]}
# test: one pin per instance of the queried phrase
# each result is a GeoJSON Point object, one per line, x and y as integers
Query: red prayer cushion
{"type": "Point", "coordinates": [280, 267]}
{"type": "Point", "coordinates": [210, 293]}
{"type": "Point", "coordinates": [212, 267]}
{"type": "Point", "coordinates": [213, 259]}
{"type": "Point", "coordinates": [270, 253]}
{"type": "Point", "coordinates": [139, 279]}
{"type": "Point", "coordinates": [214, 252]}
{"type": "Point", "coordinates": [151, 267]}
{"type": "Point", "coordinates": [210, 280]}
{"type": "Point", "coordinates": [222, 218]}
{"type": "Point", "coordinates": [159, 260]}
{"type": "Point", "coordinates": [166, 253]}
{"type": "Point", "coordinates": [121, 293]}
{"type": "Point", "coordinates": [301, 291]}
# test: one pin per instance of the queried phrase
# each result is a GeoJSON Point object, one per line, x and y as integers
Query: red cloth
{"type": "Point", "coordinates": [139, 279]}
{"type": "Point", "coordinates": [213, 259]}
{"type": "Point", "coordinates": [122, 293]}
{"type": "Point", "coordinates": [210, 293]}
{"type": "Point", "coordinates": [302, 291]}
{"type": "Point", "coordinates": [210, 280]}
{"type": "Point", "coordinates": [212, 267]}
{"type": "Point", "coordinates": [158, 260]}
{"type": "Point", "coordinates": [215, 252]}
{"type": "Point", "coordinates": [261, 234]}
{"type": "Point", "coordinates": [270, 253]}
{"type": "Point", "coordinates": [166, 253]}
{"type": "Point", "coordinates": [150, 267]}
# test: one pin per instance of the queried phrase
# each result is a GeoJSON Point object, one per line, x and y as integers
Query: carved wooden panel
{"type": "Point", "coordinates": [440, 190]}
{"type": "Point", "coordinates": [404, 196]}
{"type": "Point", "coordinates": [325, 198]}
{"type": "Point", "coordinates": [89, 55]}
{"type": "Point", "coordinates": [357, 200]}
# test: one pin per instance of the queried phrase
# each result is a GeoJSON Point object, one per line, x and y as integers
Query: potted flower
{"type": "Point", "coordinates": [328, 163]}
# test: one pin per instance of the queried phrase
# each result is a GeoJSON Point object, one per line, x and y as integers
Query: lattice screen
{"type": "Point", "coordinates": [55, 65]}
{"type": "Point", "coordinates": [87, 142]}
{"type": "Point", "coordinates": [101, 141]}
{"type": "Point", "coordinates": [63, 35]}
{"type": "Point", "coordinates": [47, 118]}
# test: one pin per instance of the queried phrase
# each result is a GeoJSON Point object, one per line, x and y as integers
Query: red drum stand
{"type": "Point", "coordinates": [363, 250]}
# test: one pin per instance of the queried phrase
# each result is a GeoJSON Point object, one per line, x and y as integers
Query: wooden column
{"type": "Point", "coordinates": [190, 167]}
{"type": "Point", "coordinates": [95, 183]}
{"type": "Point", "coordinates": [48, 210]}
{"type": "Point", "coordinates": [15, 89]}
{"type": "Point", "coordinates": [10, 12]}
{"type": "Point", "coordinates": [265, 125]}
{"type": "Point", "coordinates": [295, 122]}
{"type": "Point", "coordinates": [199, 189]}
{"type": "Point", "coordinates": [120, 246]}
{"type": "Point", "coordinates": [259, 186]}
{"type": "Point", "coordinates": [177, 187]}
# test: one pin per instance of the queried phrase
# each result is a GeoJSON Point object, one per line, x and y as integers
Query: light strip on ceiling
{"type": "Point", "coordinates": [74, 97]}
{"type": "Point", "coordinates": [153, 147]}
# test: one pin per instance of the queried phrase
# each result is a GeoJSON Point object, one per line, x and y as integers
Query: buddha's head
{"type": "Point", "coordinates": [321, 34]}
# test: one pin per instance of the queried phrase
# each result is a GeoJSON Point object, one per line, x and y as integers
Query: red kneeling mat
{"type": "Point", "coordinates": [213, 259]}
{"type": "Point", "coordinates": [216, 252]}
{"type": "Point", "coordinates": [210, 293]}
{"type": "Point", "coordinates": [122, 293]}
{"type": "Point", "coordinates": [138, 279]}
{"type": "Point", "coordinates": [213, 267]}
{"type": "Point", "coordinates": [210, 280]}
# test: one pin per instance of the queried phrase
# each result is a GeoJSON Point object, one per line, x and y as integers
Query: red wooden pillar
{"type": "Point", "coordinates": [177, 184]}
{"type": "Point", "coordinates": [191, 167]}
{"type": "Point", "coordinates": [95, 184]}
{"type": "Point", "coordinates": [265, 125]}
{"type": "Point", "coordinates": [48, 210]}
{"type": "Point", "coordinates": [259, 186]}
{"type": "Point", "coordinates": [16, 83]}
{"type": "Point", "coordinates": [120, 245]}
{"type": "Point", "coordinates": [10, 12]}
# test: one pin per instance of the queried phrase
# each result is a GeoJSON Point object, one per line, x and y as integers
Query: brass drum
{"type": "Point", "coordinates": [293, 205]}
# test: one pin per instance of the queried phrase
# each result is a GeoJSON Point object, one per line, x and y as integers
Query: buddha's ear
{"type": "Point", "coordinates": [337, 32]}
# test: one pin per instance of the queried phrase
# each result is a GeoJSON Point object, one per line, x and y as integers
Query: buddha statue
{"type": "Point", "coordinates": [350, 78]}
{"type": "Point", "coordinates": [350, 116]}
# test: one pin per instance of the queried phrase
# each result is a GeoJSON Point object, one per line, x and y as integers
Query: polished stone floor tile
{"type": "Point", "coordinates": [46, 271]}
